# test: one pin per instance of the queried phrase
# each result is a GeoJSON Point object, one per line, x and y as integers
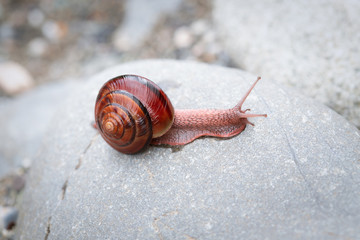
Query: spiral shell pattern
{"type": "Point", "coordinates": [131, 110]}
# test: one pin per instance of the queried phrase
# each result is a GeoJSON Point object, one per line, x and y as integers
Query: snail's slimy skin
{"type": "Point", "coordinates": [190, 124]}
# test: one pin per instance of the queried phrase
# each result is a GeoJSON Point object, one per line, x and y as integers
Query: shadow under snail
{"type": "Point", "coordinates": [132, 112]}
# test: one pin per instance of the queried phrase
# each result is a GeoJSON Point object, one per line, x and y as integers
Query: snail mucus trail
{"type": "Point", "coordinates": [132, 112]}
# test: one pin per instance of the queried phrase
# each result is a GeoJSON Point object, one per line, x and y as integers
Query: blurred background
{"type": "Point", "coordinates": [54, 40]}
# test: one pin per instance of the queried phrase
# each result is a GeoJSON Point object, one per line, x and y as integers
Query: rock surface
{"type": "Point", "coordinates": [312, 45]}
{"type": "Point", "coordinates": [24, 121]}
{"type": "Point", "coordinates": [296, 173]}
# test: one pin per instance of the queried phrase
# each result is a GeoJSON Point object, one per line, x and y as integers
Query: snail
{"type": "Point", "coordinates": [132, 112]}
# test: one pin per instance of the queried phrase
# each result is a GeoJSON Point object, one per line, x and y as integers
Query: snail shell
{"type": "Point", "coordinates": [131, 110]}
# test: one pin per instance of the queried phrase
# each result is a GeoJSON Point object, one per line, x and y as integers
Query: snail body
{"type": "Point", "coordinates": [132, 112]}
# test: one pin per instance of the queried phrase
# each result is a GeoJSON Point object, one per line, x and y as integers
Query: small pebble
{"type": "Point", "coordinates": [1, 11]}
{"type": "Point", "coordinates": [214, 48]}
{"type": "Point", "coordinates": [35, 17]}
{"type": "Point", "coordinates": [121, 41]}
{"type": "Point", "coordinates": [198, 49]}
{"type": "Point", "coordinates": [183, 37]}
{"type": "Point", "coordinates": [199, 27]}
{"type": "Point", "coordinates": [54, 31]}
{"type": "Point", "coordinates": [18, 17]}
{"type": "Point", "coordinates": [209, 37]}
{"type": "Point", "coordinates": [18, 183]}
{"type": "Point", "coordinates": [6, 31]}
{"type": "Point", "coordinates": [26, 163]}
{"type": "Point", "coordinates": [14, 78]}
{"type": "Point", "coordinates": [8, 217]}
{"type": "Point", "coordinates": [37, 47]}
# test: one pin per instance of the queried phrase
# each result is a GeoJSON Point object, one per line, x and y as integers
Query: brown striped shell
{"type": "Point", "coordinates": [131, 110]}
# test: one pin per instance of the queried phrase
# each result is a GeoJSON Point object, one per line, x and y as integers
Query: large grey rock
{"type": "Point", "coordinates": [24, 121]}
{"type": "Point", "coordinates": [312, 45]}
{"type": "Point", "coordinates": [296, 173]}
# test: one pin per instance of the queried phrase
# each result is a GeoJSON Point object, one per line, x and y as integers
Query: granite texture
{"type": "Point", "coordinates": [294, 175]}
{"type": "Point", "coordinates": [24, 121]}
{"type": "Point", "coordinates": [311, 45]}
